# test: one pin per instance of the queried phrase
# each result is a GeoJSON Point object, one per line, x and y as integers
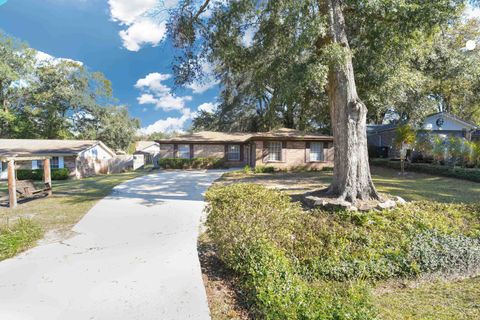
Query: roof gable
{"type": "Point", "coordinates": [27, 147]}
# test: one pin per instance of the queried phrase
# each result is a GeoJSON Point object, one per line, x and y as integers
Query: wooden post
{"type": "Point", "coordinates": [47, 178]}
{"type": "Point", "coordinates": [12, 190]}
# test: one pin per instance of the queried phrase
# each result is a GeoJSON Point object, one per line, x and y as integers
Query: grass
{"type": "Point", "coordinates": [19, 237]}
{"type": "Point", "coordinates": [70, 201]}
{"type": "Point", "coordinates": [414, 186]}
{"type": "Point", "coordinates": [442, 299]}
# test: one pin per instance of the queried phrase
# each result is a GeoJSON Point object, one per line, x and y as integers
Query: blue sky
{"type": "Point", "coordinates": [120, 39]}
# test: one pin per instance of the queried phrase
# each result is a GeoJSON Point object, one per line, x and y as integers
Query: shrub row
{"type": "Point", "coordinates": [299, 265]}
{"type": "Point", "coordinates": [447, 171]}
{"type": "Point", "coordinates": [37, 174]}
{"type": "Point", "coordinates": [21, 236]}
{"type": "Point", "coordinates": [194, 163]}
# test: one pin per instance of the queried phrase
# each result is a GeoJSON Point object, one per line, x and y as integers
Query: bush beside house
{"type": "Point", "coordinates": [194, 163]}
{"type": "Point", "coordinates": [311, 265]}
{"type": "Point", "coordinates": [37, 174]}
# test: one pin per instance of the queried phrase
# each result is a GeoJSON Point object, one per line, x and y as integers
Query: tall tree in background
{"type": "Point", "coordinates": [313, 36]}
{"type": "Point", "coordinates": [16, 63]}
{"type": "Point", "coordinates": [57, 99]}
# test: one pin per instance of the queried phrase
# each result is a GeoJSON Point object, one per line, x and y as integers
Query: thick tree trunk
{"type": "Point", "coordinates": [351, 175]}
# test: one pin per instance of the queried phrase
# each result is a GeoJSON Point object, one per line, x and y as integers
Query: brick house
{"type": "Point", "coordinates": [282, 149]}
{"type": "Point", "coordinates": [75, 155]}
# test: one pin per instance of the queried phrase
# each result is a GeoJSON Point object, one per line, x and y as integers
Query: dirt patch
{"type": "Point", "coordinates": [293, 183]}
{"type": "Point", "coordinates": [225, 298]}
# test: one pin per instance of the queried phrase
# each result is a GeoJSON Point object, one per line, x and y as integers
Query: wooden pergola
{"type": "Point", "coordinates": [12, 180]}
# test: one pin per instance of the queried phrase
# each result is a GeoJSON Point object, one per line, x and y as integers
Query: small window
{"type": "Point", "coordinates": [275, 151]}
{"type": "Point", "coordinates": [184, 151]}
{"type": "Point", "coordinates": [54, 163]}
{"type": "Point", "coordinates": [316, 151]}
{"type": "Point", "coordinates": [233, 152]}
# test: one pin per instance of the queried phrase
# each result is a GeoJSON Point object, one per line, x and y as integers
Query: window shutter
{"type": "Point", "coordinates": [191, 152]}
{"type": "Point", "coordinates": [225, 153]}
{"type": "Point", "coordinates": [307, 151]}
{"type": "Point", "coordinates": [175, 150]}
{"type": "Point", "coordinates": [34, 164]}
{"type": "Point", "coordinates": [241, 152]}
{"type": "Point", "coordinates": [61, 164]}
{"type": "Point", "coordinates": [265, 151]}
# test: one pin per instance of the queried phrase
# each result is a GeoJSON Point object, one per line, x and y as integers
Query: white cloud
{"type": "Point", "coordinates": [143, 32]}
{"type": "Point", "coordinates": [207, 107]}
{"type": "Point", "coordinates": [200, 87]}
{"type": "Point", "coordinates": [128, 11]}
{"type": "Point", "coordinates": [153, 82]}
{"type": "Point", "coordinates": [169, 102]}
{"type": "Point", "coordinates": [145, 21]}
{"type": "Point", "coordinates": [472, 12]}
{"type": "Point", "coordinates": [146, 98]}
{"type": "Point", "coordinates": [166, 125]}
{"type": "Point", "coordinates": [45, 58]}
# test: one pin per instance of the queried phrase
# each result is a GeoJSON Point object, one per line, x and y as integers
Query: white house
{"type": "Point", "coordinates": [69, 154]}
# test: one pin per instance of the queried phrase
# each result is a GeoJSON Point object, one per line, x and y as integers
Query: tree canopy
{"type": "Point", "coordinates": [272, 59]}
{"type": "Point", "coordinates": [57, 99]}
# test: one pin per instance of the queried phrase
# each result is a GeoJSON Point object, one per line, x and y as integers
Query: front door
{"type": "Point", "coordinates": [253, 154]}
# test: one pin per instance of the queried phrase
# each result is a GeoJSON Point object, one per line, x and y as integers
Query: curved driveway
{"type": "Point", "coordinates": [134, 257]}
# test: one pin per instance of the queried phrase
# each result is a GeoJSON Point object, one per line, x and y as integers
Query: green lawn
{"type": "Point", "coordinates": [413, 186]}
{"type": "Point", "coordinates": [70, 201]}
{"type": "Point", "coordinates": [438, 301]}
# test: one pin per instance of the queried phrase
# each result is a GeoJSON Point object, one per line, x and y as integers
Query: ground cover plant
{"type": "Point", "coordinates": [292, 263]}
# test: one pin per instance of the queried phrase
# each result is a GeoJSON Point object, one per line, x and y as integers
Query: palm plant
{"type": "Point", "coordinates": [405, 137]}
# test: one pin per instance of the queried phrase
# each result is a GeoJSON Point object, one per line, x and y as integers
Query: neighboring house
{"type": "Point", "coordinates": [150, 149]}
{"type": "Point", "coordinates": [283, 148]}
{"type": "Point", "coordinates": [382, 137]}
{"type": "Point", "coordinates": [74, 155]}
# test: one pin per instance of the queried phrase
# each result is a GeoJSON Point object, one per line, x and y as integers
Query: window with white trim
{"type": "Point", "coordinates": [316, 151]}
{"type": "Point", "coordinates": [184, 151]}
{"type": "Point", "coordinates": [54, 163]}
{"type": "Point", "coordinates": [275, 151]}
{"type": "Point", "coordinates": [233, 152]}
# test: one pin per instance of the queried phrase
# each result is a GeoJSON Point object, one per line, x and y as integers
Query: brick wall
{"type": "Point", "coordinates": [166, 151]}
{"type": "Point", "coordinates": [296, 154]}
{"type": "Point", "coordinates": [208, 150]}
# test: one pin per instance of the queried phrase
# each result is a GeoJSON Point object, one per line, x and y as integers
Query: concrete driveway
{"type": "Point", "coordinates": [134, 257]}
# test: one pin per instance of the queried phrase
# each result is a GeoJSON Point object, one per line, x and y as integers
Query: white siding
{"type": "Point", "coordinates": [96, 152]}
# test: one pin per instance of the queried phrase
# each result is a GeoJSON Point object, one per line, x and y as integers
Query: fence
{"type": "Point", "coordinates": [87, 167]}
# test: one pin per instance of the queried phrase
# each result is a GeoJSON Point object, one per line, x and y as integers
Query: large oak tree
{"type": "Point", "coordinates": [312, 36]}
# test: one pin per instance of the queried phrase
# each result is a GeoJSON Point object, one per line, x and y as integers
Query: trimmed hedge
{"type": "Point", "coordinates": [447, 171]}
{"type": "Point", "coordinates": [310, 265]}
{"type": "Point", "coordinates": [194, 163]}
{"type": "Point", "coordinates": [37, 174]}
